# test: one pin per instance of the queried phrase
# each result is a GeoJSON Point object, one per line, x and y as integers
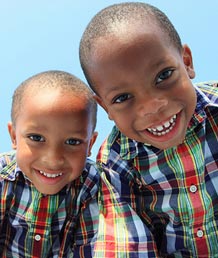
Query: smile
{"type": "Point", "coordinates": [50, 175]}
{"type": "Point", "coordinates": [165, 128]}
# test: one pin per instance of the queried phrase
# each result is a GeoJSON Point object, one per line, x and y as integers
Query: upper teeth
{"type": "Point", "coordinates": [163, 129]}
{"type": "Point", "coordinates": [50, 175]}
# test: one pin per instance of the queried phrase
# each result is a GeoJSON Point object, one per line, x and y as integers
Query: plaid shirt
{"type": "Point", "coordinates": [173, 191]}
{"type": "Point", "coordinates": [37, 225]}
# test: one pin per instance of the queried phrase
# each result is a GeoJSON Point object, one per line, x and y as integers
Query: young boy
{"type": "Point", "coordinates": [48, 187]}
{"type": "Point", "coordinates": [161, 158]}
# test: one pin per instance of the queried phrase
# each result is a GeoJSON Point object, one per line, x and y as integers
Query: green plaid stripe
{"type": "Point", "coordinates": [175, 191]}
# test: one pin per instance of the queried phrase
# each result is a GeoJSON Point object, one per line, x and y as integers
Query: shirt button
{"type": "Point", "coordinates": [37, 237]}
{"type": "Point", "coordinates": [200, 233]}
{"type": "Point", "coordinates": [193, 188]}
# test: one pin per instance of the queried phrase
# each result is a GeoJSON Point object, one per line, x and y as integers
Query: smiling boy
{"type": "Point", "coordinates": [47, 186]}
{"type": "Point", "coordinates": [160, 159]}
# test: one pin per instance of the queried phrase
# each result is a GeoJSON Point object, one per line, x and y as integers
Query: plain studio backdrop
{"type": "Point", "coordinates": [43, 35]}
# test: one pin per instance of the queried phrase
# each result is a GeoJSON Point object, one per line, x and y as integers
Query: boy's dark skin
{"type": "Point", "coordinates": [141, 77]}
{"type": "Point", "coordinates": [141, 74]}
{"type": "Point", "coordinates": [42, 183]}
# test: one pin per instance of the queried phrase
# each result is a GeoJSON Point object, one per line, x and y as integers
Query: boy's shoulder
{"type": "Point", "coordinates": [91, 175]}
{"type": "Point", "coordinates": [210, 89]}
{"type": "Point", "coordinates": [205, 84]}
{"type": "Point", "coordinates": [7, 157]}
{"type": "Point", "coordinates": [117, 147]}
{"type": "Point", "coordinates": [88, 182]}
{"type": "Point", "coordinates": [7, 165]}
{"type": "Point", "coordinates": [107, 145]}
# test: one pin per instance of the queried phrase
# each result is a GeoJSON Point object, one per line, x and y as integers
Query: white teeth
{"type": "Point", "coordinates": [159, 128]}
{"type": "Point", "coordinates": [167, 124]}
{"type": "Point", "coordinates": [163, 129]}
{"type": "Point", "coordinates": [50, 175]}
{"type": "Point", "coordinates": [173, 119]}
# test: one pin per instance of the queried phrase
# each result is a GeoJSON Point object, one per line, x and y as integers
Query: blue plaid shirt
{"type": "Point", "coordinates": [37, 225]}
{"type": "Point", "coordinates": [174, 192]}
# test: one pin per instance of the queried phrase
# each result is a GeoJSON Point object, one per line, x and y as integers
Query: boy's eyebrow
{"type": "Point", "coordinates": [32, 126]}
{"type": "Point", "coordinates": [114, 89]}
{"type": "Point", "coordinates": [158, 62]}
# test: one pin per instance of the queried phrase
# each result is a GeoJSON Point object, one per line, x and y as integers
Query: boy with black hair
{"type": "Point", "coordinates": [48, 186]}
{"type": "Point", "coordinates": [161, 159]}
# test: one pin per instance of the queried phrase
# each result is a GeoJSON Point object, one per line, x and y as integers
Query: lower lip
{"type": "Point", "coordinates": [49, 180]}
{"type": "Point", "coordinates": [168, 136]}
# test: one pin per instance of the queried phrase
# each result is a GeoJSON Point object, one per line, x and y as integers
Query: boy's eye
{"type": "Point", "coordinates": [122, 98]}
{"type": "Point", "coordinates": [73, 142]}
{"type": "Point", "coordinates": [164, 75]}
{"type": "Point", "coordinates": [36, 138]}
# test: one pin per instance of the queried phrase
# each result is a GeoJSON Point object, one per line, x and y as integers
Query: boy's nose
{"type": "Point", "coordinates": [150, 106]}
{"type": "Point", "coordinates": [54, 159]}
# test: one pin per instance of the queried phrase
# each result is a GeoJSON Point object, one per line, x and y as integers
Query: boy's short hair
{"type": "Point", "coordinates": [53, 79]}
{"type": "Point", "coordinates": [107, 22]}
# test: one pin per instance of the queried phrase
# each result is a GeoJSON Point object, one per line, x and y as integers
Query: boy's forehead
{"type": "Point", "coordinates": [118, 41]}
{"type": "Point", "coordinates": [125, 33]}
{"type": "Point", "coordinates": [37, 88]}
{"type": "Point", "coordinates": [117, 55]}
{"type": "Point", "coordinates": [49, 95]}
{"type": "Point", "coordinates": [55, 104]}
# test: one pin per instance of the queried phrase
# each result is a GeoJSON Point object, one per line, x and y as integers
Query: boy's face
{"type": "Point", "coordinates": [143, 83]}
{"type": "Point", "coordinates": [53, 136]}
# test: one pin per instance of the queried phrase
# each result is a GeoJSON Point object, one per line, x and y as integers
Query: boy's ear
{"type": "Point", "coordinates": [12, 133]}
{"type": "Point", "coordinates": [187, 59]}
{"type": "Point", "coordinates": [92, 141]}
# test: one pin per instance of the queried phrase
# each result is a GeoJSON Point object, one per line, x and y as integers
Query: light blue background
{"type": "Point", "coordinates": [42, 35]}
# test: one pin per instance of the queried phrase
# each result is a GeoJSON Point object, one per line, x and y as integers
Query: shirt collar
{"type": "Point", "coordinates": [12, 171]}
